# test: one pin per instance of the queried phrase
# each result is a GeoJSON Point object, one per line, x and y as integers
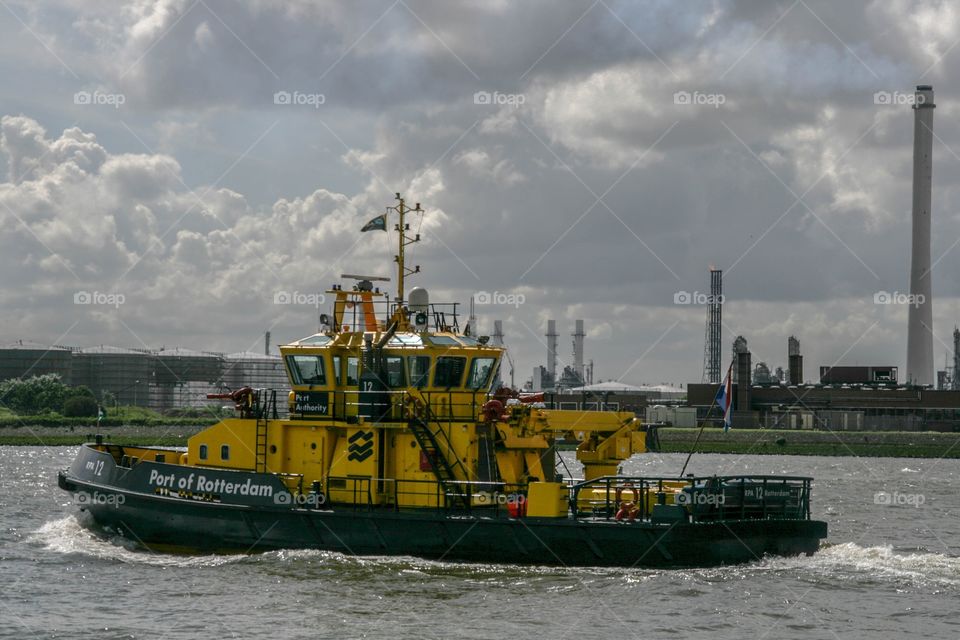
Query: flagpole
{"type": "Point", "coordinates": [704, 423]}
{"type": "Point", "coordinates": [699, 433]}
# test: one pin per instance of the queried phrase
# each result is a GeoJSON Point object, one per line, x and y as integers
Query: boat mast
{"type": "Point", "coordinates": [404, 240]}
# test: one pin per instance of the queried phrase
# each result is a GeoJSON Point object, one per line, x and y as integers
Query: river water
{"type": "Point", "coordinates": [890, 569]}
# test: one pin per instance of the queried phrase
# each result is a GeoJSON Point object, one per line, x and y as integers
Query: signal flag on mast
{"type": "Point", "coordinates": [377, 224]}
{"type": "Point", "coordinates": [725, 399]}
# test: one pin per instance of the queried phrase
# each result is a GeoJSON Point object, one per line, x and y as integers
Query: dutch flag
{"type": "Point", "coordinates": [725, 399]}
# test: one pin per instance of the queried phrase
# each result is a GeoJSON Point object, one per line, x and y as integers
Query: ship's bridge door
{"type": "Point", "coordinates": [308, 374]}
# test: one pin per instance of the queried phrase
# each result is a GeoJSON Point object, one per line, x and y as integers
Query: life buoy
{"type": "Point", "coordinates": [629, 509]}
{"type": "Point", "coordinates": [492, 410]}
{"type": "Point", "coordinates": [633, 490]}
{"type": "Point", "coordinates": [414, 405]}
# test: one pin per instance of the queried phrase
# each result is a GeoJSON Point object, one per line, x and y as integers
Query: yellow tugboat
{"type": "Point", "coordinates": [396, 442]}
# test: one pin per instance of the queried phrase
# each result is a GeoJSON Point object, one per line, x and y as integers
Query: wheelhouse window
{"type": "Point", "coordinates": [203, 452]}
{"type": "Point", "coordinates": [338, 375]}
{"type": "Point", "coordinates": [419, 371]}
{"type": "Point", "coordinates": [224, 452]}
{"type": "Point", "coordinates": [353, 371]}
{"type": "Point", "coordinates": [449, 372]}
{"type": "Point", "coordinates": [480, 372]}
{"type": "Point", "coordinates": [394, 369]}
{"type": "Point", "coordinates": [307, 369]}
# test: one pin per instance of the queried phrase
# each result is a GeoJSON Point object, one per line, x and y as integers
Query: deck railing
{"type": "Point", "coordinates": [704, 498]}
{"type": "Point", "coordinates": [370, 493]}
{"type": "Point", "coordinates": [701, 499]}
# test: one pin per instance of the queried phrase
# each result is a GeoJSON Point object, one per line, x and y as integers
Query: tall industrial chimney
{"type": "Point", "coordinates": [794, 361]}
{"type": "Point", "coordinates": [578, 336]}
{"type": "Point", "coordinates": [955, 381]}
{"type": "Point", "coordinates": [472, 322]}
{"type": "Point", "coordinates": [714, 330]}
{"type": "Point", "coordinates": [742, 353]}
{"type": "Point", "coordinates": [266, 343]}
{"type": "Point", "coordinates": [920, 322]}
{"type": "Point", "coordinates": [552, 349]}
{"type": "Point", "coordinates": [497, 333]}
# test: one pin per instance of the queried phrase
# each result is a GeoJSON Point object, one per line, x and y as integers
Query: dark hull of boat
{"type": "Point", "coordinates": [172, 522]}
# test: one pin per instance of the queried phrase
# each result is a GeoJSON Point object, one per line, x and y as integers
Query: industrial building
{"type": "Point", "coordinates": [858, 399]}
{"type": "Point", "coordinates": [576, 375]}
{"type": "Point", "coordinates": [854, 397]}
{"type": "Point", "coordinates": [183, 377]}
{"type": "Point", "coordinates": [256, 370]}
{"type": "Point", "coordinates": [23, 359]}
{"type": "Point", "coordinates": [164, 380]}
{"type": "Point", "coordinates": [618, 396]}
{"type": "Point", "coordinates": [858, 375]}
{"type": "Point", "coordinates": [126, 374]}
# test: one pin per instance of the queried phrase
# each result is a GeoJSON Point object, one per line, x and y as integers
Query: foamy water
{"type": "Point", "coordinates": [75, 534]}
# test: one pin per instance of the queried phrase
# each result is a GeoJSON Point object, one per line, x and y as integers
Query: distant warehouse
{"type": "Point", "coordinates": [858, 375]}
{"type": "Point", "coordinates": [162, 380]}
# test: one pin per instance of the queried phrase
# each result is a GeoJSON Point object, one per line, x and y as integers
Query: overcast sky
{"type": "Point", "coordinates": [191, 159]}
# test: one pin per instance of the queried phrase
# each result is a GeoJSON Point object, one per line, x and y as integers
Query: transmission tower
{"type": "Point", "coordinates": [712, 332]}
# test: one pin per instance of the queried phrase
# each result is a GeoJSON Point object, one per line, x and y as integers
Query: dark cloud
{"type": "Point", "coordinates": [585, 182]}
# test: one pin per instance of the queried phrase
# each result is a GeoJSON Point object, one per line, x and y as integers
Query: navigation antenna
{"type": "Point", "coordinates": [405, 239]}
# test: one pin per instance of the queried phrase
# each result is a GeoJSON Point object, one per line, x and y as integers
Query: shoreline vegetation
{"type": "Point", "coordinates": [899, 444]}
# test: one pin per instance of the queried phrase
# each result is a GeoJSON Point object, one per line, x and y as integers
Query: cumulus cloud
{"type": "Point", "coordinates": [594, 187]}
